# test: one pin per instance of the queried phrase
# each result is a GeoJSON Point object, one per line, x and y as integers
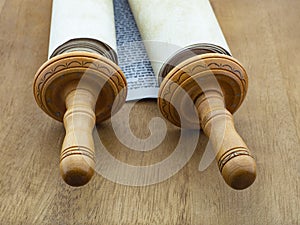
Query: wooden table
{"type": "Point", "coordinates": [263, 35]}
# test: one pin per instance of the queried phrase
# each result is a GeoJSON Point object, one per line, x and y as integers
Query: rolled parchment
{"type": "Point", "coordinates": [81, 83]}
{"type": "Point", "coordinates": [200, 81]}
{"type": "Point", "coordinates": [75, 20]}
{"type": "Point", "coordinates": [172, 26]}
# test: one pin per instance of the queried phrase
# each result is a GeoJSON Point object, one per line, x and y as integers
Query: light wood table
{"type": "Point", "coordinates": [263, 35]}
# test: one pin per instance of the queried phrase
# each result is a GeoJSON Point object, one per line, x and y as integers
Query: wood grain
{"type": "Point", "coordinates": [263, 35]}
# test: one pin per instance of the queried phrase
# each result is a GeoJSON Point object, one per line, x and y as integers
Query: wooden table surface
{"type": "Point", "coordinates": [263, 35]}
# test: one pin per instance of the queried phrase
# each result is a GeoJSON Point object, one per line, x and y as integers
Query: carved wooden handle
{"type": "Point", "coordinates": [74, 87]}
{"type": "Point", "coordinates": [77, 155]}
{"type": "Point", "coordinates": [235, 162]}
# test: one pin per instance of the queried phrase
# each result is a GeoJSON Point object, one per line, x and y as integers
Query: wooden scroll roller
{"type": "Point", "coordinates": [217, 84]}
{"type": "Point", "coordinates": [206, 74]}
{"type": "Point", "coordinates": [79, 85]}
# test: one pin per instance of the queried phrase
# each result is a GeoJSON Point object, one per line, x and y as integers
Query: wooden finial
{"type": "Point", "coordinates": [79, 89]}
{"type": "Point", "coordinates": [216, 84]}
